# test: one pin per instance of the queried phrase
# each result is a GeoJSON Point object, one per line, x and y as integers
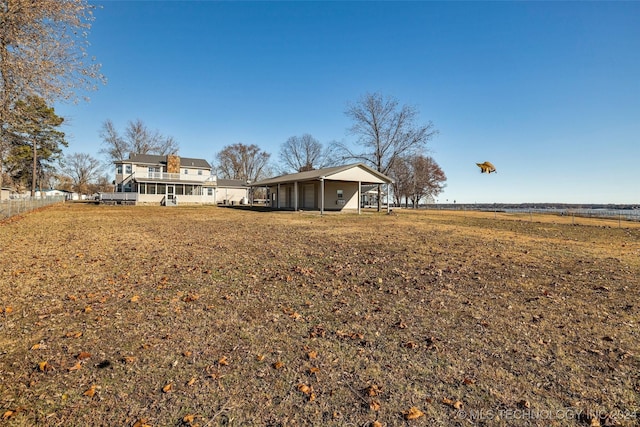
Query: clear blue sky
{"type": "Point", "coordinates": [549, 92]}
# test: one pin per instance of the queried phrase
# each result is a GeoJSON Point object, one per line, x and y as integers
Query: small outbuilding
{"type": "Point", "coordinates": [231, 192]}
{"type": "Point", "coordinates": [332, 189]}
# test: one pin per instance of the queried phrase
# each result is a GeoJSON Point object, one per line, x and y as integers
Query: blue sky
{"type": "Point", "coordinates": [549, 92]}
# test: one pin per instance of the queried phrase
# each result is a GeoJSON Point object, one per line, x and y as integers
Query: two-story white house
{"type": "Point", "coordinates": [170, 180]}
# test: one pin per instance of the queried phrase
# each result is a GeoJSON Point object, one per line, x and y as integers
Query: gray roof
{"type": "Point", "coordinates": [154, 159]}
{"type": "Point", "coordinates": [325, 173]}
{"type": "Point", "coordinates": [231, 183]}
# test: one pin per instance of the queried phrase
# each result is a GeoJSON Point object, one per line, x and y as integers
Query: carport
{"type": "Point", "coordinates": [333, 189]}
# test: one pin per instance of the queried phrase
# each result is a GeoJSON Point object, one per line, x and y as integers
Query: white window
{"type": "Point", "coordinates": [199, 172]}
{"type": "Point", "coordinates": [340, 194]}
{"type": "Point", "coordinates": [186, 171]}
{"type": "Point", "coordinates": [118, 168]}
{"type": "Point", "coordinates": [127, 168]}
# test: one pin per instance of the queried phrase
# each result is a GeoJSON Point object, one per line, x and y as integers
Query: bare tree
{"type": "Point", "coordinates": [138, 138]}
{"type": "Point", "coordinates": [302, 153]}
{"type": "Point", "coordinates": [385, 132]}
{"type": "Point", "coordinates": [402, 175]}
{"type": "Point", "coordinates": [84, 170]}
{"type": "Point", "coordinates": [43, 53]}
{"type": "Point", "coordinates": [145, 141]}
{"type": "Point", "coordinates": [417, 178]}
{"type": "Point", "coordinates": [114, 146]}
{"type": "Point", "coordinates": [103, 184]}
{"type": "Point", "coordinates": [243, 162]}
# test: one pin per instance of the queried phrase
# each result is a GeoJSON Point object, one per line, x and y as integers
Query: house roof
{"type": "Point", "coordinates": [154, 159]}
{"type": "Point", "coordinates": [353, 172]}
{"type": "Point", "coordinates": [231, 183]}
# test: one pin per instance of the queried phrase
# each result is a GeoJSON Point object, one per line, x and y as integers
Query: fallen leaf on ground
{"type": "Point", "coordinates": [91, 391]}
{"type": "Point", "coordinates": [307, 390]}
{"type": "Point", "coordinates": [76, 367]}
{"type": "Point", "coordinates": [413, 413]}
{"type": "Point", "coordinates": [135, 298]}
{"type": "Point", "coordinates": [167, 388]}
{"type": "Point", "coordinates": [456, 404]}
{"type": "Point", "coordinates": [83, 355]}
{"type": "Point", "coordinates": [373, 390]}
{"type": "Point", "coordinates": [191, 298]}
{"type": "Point", "coordinates": [45, 366]}
{"type": "Point", "coordinates": [304, 388]}
{"type": "Point", "coordinates": [73, 334]}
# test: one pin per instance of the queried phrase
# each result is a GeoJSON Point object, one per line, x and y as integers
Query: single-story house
{"type": "Point", "coordinates": [170, 180]}
{"type": "Point", "coordinates": [333, 189]}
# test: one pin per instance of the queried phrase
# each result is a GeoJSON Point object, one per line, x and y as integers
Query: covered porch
{"type": "Point", "coordinates": [330, 189]}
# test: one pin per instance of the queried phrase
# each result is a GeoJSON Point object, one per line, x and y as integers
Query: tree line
{"type": "Point", "coordinates": [43, 59]}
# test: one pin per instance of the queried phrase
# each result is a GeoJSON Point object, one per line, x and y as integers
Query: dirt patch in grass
{"type": "Point", "coordinates": [209, 316]}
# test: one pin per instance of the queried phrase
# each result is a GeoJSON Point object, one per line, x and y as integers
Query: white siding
{"type": "Point", "coordinates": [356, 174]}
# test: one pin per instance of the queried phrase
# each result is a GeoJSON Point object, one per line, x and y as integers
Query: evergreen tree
{"type": "Point", "coordinates": [35, 142]}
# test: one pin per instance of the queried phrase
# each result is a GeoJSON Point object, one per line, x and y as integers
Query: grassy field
{"type": "Point", "coordinates": [132, 316]}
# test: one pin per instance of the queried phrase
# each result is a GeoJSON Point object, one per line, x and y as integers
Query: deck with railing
{"type": "Point", "coordinates": [171, 177]}
{"type": "Point", "coordinates": [118, 198]}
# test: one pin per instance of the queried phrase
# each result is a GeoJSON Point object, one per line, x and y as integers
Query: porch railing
{"type": "Point", "coordinates": [118, 197]}
{"type": "Point", "coordinates": [164, 176]}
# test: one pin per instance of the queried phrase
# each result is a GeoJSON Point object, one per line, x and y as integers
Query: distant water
{"type": "Point", "coordinates": [626, 214]}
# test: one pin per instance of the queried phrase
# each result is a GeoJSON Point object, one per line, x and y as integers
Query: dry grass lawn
{"type": "Point", "coordinates": [132, 316]}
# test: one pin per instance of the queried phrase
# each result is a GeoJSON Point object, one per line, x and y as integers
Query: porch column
{"type": "Point", "coordinates": [295, 195]}
{"type": "Point", "coordinates": [388, 210]}
{"type": "Point", "coordinates": [278, 196]}
{"type": "Point", "coordinates": [359, 195]}
{"type": "Point", "coordinates": [321, 195]}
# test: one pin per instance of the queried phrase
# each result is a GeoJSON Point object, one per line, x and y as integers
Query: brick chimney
{"type": "Point", "coordinates": [173, 163]}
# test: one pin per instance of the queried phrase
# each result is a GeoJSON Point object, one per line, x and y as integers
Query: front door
{"type": "Point", "coordinates": [171, 192]}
